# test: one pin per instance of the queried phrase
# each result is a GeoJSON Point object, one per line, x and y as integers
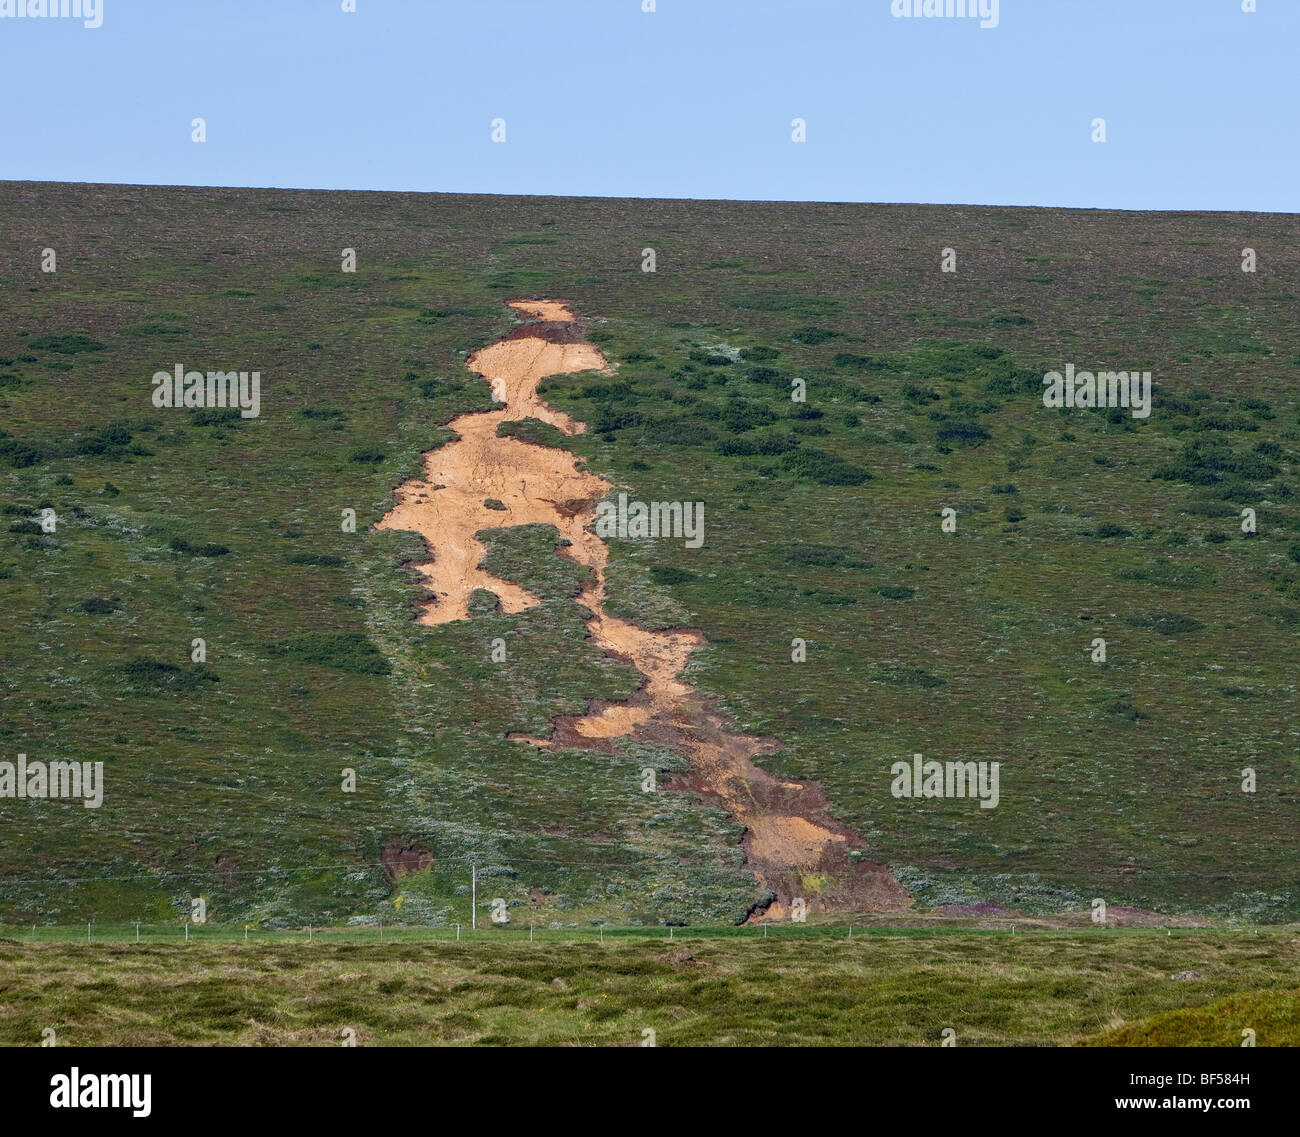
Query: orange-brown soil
{"type": "Point", "coordinates": [792, 845]}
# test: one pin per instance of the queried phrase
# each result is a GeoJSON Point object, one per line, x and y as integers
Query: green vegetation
{"type": "Point", "coordinates": [1120, 779]}
{"type": "Point", "coordinates": [68, 344]}
{"type": "Point", "coordinates": [535, 431]}
{"type": "Point", "coordinates": [883, 987]}
{"type": "Point", "coordinates": [346, 652]}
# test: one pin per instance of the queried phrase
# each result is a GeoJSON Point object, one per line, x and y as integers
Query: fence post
{"type": "Point", "coordinates": [137, 933]}
{"type": "Point", "coordinates": [187, 931]}
{"type": "Point", "coordinates": [87, 932]}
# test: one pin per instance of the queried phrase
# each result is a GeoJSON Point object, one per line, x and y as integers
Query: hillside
{"type": "Point", "coordinates": [224, 779]}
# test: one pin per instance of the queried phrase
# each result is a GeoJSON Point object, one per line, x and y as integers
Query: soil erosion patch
{"type": "Point", "coordinates": [792, 844]}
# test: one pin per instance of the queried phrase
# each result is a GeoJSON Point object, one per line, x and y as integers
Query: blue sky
{"type": "Point", "coordinates": [693, 100]}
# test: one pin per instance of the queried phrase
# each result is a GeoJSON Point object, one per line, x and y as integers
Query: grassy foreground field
{"type": "Point", "coordinates": [885, 987]}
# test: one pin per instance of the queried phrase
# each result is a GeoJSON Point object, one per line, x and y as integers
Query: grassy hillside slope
{"type": "Point", "coordinates": [1120, 780]}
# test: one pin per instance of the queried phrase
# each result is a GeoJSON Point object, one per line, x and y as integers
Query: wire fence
{"type": "Point", "coordinates": [517, 932]}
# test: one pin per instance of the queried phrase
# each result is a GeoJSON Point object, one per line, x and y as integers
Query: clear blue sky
{"type": "Point", "coordinates": [694, 100]}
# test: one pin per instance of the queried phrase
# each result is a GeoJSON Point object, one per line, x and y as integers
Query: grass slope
{"type": "Point", "coordinates": [1120, 780]}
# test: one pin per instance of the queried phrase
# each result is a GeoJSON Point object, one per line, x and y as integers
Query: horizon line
{"type": "Point", "coordinates": [4, 182]}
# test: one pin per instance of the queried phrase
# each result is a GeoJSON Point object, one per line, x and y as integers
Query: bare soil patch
{"type": "Point", "coordinates": [792, 844]}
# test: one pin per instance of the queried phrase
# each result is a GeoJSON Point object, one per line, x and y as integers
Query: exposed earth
{"type": "Point", "coordinates": [792, 845]}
